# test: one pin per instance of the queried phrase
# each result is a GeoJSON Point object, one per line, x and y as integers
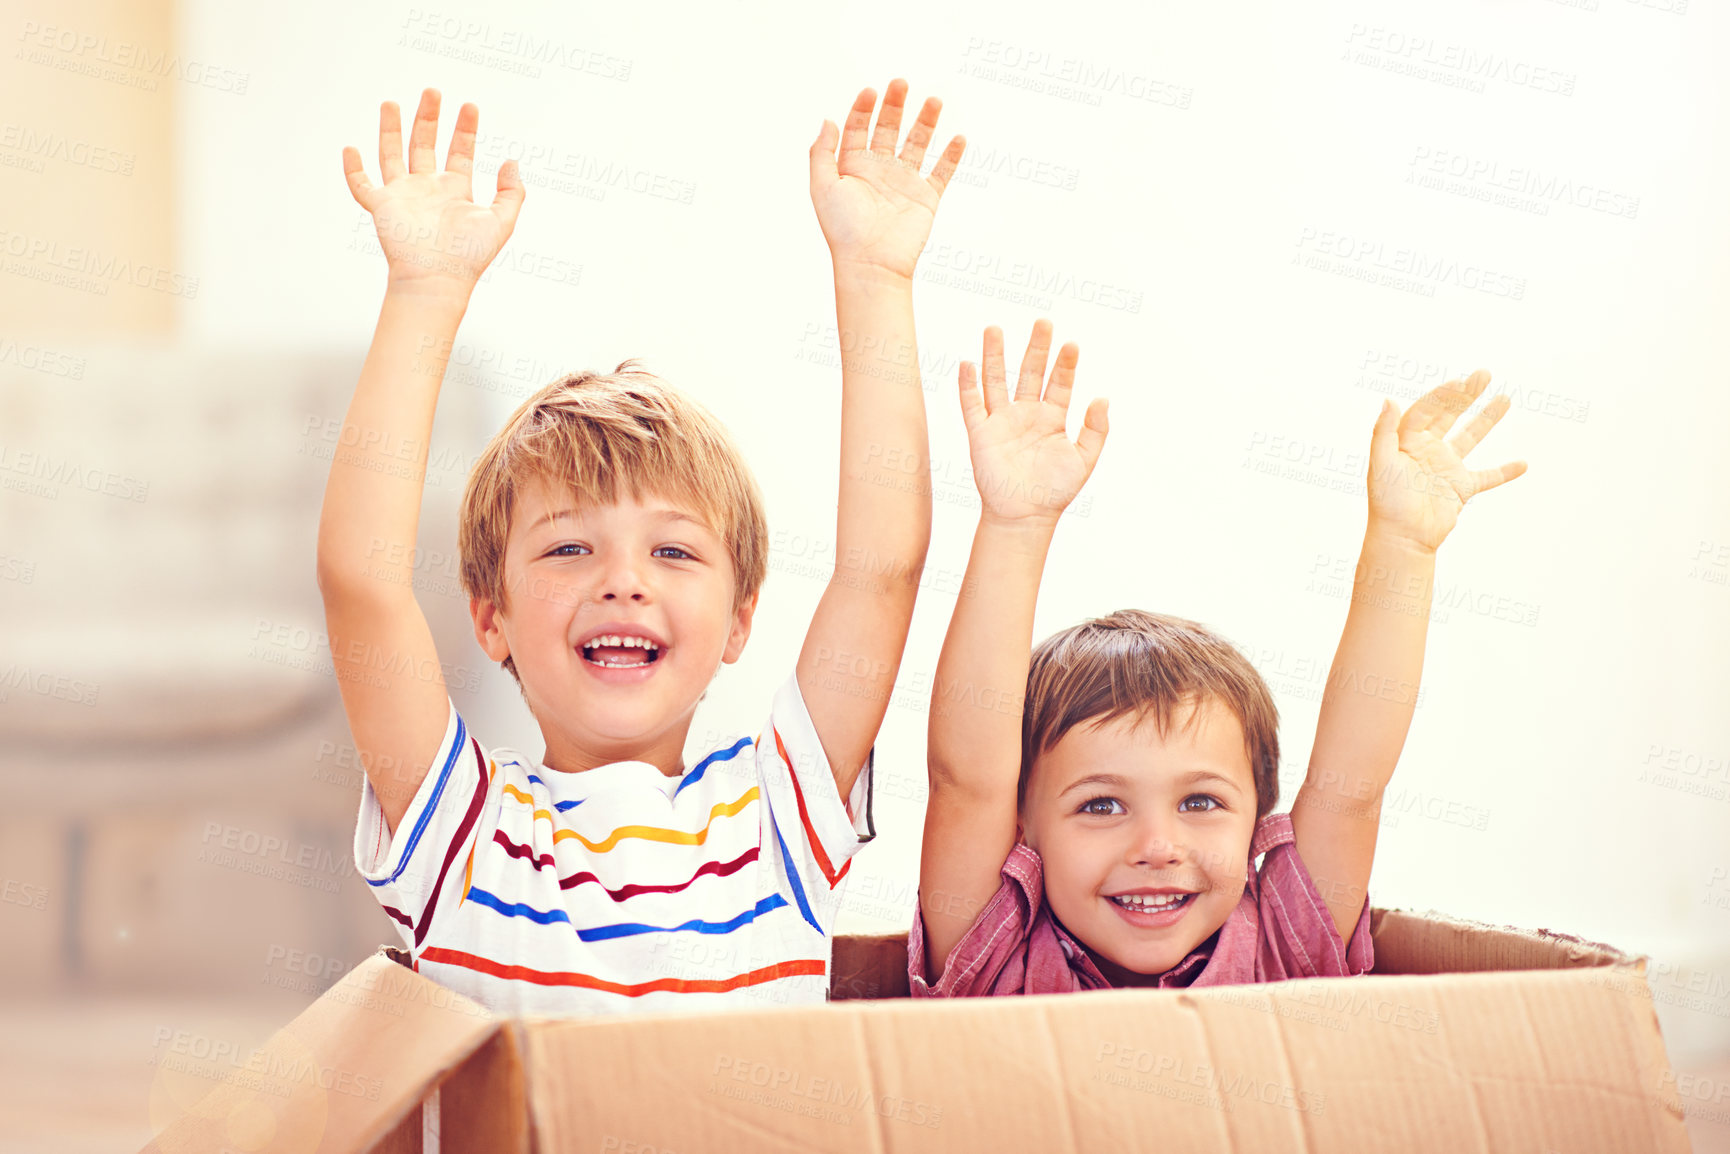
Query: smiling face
{"type": "Point", "coordinates": [617, 616]}
{"type": "Point", "coordinates": [1144, 838]}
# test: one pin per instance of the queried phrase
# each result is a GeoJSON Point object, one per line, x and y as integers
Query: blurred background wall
{"type": "Point", "coordinates": [1257, 221]}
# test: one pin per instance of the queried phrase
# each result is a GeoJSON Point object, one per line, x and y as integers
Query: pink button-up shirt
{"type": "Point", "coordinates": [1280, 929]}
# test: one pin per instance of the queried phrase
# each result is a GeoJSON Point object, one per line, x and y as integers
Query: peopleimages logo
{"type": "Point", "coordinates": [1452, 65]}
{"type": "Point", "coordinates": [17, 678]}
{"type": "Point", "coordinates": [1370, 259]}
{"type": "Point", "coordinates": [49, 258]}
{"type": "Point", "coordinates": [1527, 187]}
{"type": "Point", "coordinates": [121, 61]}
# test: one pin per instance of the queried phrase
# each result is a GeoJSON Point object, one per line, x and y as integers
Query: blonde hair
{"type": "Point", "coordinates": [1132, 661]}
{"type": "Point", "coordinates": [601, 436]}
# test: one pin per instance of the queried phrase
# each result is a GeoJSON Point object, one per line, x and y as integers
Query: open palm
{"type": "Point", "coordinates": [1024, 463]}
{"type": "Point", "coordinates": [1418, 479]}
{"type": "Point", "coordinates": [429, 226]}
{"type": "Point", "coordinates": [873, 206]}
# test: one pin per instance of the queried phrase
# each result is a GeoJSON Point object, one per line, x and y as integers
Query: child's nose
{"type": "Point", "coordinates": [1153, 847]}
{"type": "Point", "coordinates": [623, 579]}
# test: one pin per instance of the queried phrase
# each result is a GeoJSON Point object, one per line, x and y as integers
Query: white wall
{"type": "Point", "coordinates": [1295, 126]}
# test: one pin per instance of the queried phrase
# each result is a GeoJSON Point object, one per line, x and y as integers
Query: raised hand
{"type": "Point", "coordinates": [1025, 465]}
{"type": "Point", "coordinates": [433, 233]}
{"type": "Point", "coordinates": [1418, 479]}
{"type": "Point", "coordinates": [874, 207]}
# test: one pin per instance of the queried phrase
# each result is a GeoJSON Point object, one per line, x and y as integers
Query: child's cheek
{"type": "Point", "coordinates": [1064, 893]}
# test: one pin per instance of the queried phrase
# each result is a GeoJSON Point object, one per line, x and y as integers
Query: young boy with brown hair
{"type": "Point", "coordinates": [613, 550]}
{"type": "Point", "coordinates": [1110, 837]}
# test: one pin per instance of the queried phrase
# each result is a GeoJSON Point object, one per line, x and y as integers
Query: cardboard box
{"type": "Point", "coordinates": [1466, 1038]}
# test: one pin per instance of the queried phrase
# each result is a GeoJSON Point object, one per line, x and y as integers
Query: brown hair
{"type": "Point", "coordinates": [1132, 661]}
{"type": "Point", "coordinates": [600, 436]}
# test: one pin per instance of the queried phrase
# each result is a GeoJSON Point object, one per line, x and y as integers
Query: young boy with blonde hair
{"type": "Point", "coordinates": [1110, 837]}
{"type": "Point", "coordinates": [613, 548]}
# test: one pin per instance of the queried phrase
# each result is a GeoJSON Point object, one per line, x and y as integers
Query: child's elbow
{"type": "Point", "coordinates": [336, 575]}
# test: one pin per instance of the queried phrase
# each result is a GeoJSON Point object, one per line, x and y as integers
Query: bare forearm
{"type": "Point", "coordinates": [378, 471]}
{"type": "Point", "coordinates": [974, 742]}
{"type": "Point", "coordinates": [883, 523]}
{"type": "Point", "coordinates": [1372, 687]}
{"type": "Point", "coordinates": [884, 507]}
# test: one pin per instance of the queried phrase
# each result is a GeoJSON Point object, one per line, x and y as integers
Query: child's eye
{"type": "Point", "coordinates": [570, 549]}
{"type": "Point", "coordinates": [1199, 803]}
{"type": "Point", "coordinates": [673, 553]}
{"type": "Point", "coordinates": [1101, 806]}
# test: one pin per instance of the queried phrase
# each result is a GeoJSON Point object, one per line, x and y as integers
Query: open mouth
{"type": "Point", "coordinates": [621, 651]}
{"type": "Point", "coordinates": [1153, 903]}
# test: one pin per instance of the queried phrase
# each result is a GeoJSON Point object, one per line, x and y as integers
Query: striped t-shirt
{"type": "Point", "coordinates": [618, 888]}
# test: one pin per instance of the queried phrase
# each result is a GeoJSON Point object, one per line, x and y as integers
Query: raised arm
{"type": "Point", "coordinates": [1418, 483]}
{"type": "Point", "coordinates": [1027, 471]}
{"type": "Point", "coordinates": [437, 243]}
{"type": "Point", "coordinates": [875, 210]}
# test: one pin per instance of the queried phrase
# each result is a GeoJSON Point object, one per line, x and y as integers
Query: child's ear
{"type": "Point", "coordinates": [741, 630]}
{"type": "Point", "coordinates": [489, 628]}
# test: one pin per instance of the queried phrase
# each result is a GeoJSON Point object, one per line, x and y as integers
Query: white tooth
{"type": "Point", "coordinates": [1151, 901]}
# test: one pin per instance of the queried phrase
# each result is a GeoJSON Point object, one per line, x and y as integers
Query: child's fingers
{"type": "Point", "coordinates": [1385, 437]}
{"type": "Point", "coordinates": [1437, 410]}
{"type": "Point", "coordinates": [1032, 378]}
{"type": "Point", "coordinates": [1483, 479]}
{"type": "Point", "coordinates": [823, 167]}
{"type": "Point", "coordinates": [919, 136]}
{"type": "Point", "coordinates": [1462, 398]}
{"type": "Point", "coordinates": [889, 120]}
{"type": "Point", "coordinates": [996, 393]}
{"type": "Point", "coordinates": [947, 164]}
{"type": "Point", "coordinates": [389, 141]}
{"type": "Point", "coordinates": [1423, 411]}
{"type": "Point", "coordinates": [1094, 427]}
{"type": "Point", "coordinates": [1467, 438]}
{"type": "Point", "coordinates": [858, 120]}
{"type": "Point", "coordinates": [461, 157]}
{"type": "Point", "coordinates": [972, 405]}
{"type": "Point", "coordinates": [354, 172]}
{"type": "Point", "coordinates": [423, 137]}
{"type": "Point", "coordinates": [508, 201]}
{"type": "Point", "coordinates": [1426, 409]}
{"type": "Point", "coordinates": [1062, 376]}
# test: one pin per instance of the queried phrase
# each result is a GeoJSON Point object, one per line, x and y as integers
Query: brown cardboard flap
{"type": "Point", "coordinates": [483, 1104]}
{"type": "Point", "coordinates": [404, 1137]}
{"type": "Point", "coordinates": [868, 966]}
{"type": "Point", "coordinates": [1563, 1059]}
{"type": "Point", "coordinates": [1432, 943]}
{"type": "Point", "coordinates": [339, 1078]}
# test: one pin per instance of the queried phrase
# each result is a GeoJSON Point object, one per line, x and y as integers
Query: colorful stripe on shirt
{"type": "Point", "coordinates": [797, 968]}
{"type": "Point", "coordinates": [644, 832]}
{"type": "Point", "coordinates": [429, 809]}
{"type": "Point", "coordinates": [457, 843]}
{"type": "Point", "coordinates": [728, 754]}
{"type": "Point", "coordinates": [811, 837]}
{"type": "Point", "coordinates": [624, 929]}
{"type": "Point", "coordinates": [545, 861]}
